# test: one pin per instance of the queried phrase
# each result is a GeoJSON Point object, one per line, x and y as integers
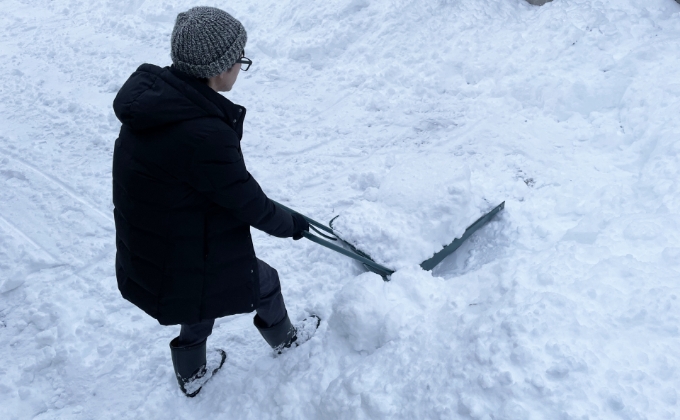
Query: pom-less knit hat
{"type": "Point", "coordinates": [206, 41]}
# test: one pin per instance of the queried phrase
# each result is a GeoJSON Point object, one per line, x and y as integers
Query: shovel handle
{"type": "Point", "coordinates": [308, 219]}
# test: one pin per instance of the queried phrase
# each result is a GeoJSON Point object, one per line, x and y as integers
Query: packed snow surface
{"type": "Point", "coordinates": [565, 306]}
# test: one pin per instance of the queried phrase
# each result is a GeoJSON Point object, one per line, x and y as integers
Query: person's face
{"type": "Point", "coordinates": [225, 80]}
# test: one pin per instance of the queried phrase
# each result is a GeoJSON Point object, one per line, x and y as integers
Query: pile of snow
{"type": "Point", "coordinates": [410, 212]}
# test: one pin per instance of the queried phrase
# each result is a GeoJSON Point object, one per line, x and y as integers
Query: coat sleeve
{"type": "Point", "coordinates": [218, 171]}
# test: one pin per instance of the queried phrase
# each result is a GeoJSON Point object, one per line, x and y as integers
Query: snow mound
{"type": "Point", "coordinates": [420, 205]}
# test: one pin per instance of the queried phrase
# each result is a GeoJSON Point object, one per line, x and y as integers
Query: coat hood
{"type": "Point", "coordinates": [155, 96]}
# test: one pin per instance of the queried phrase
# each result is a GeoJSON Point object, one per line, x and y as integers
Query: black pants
{"type": "Point", "coordinates": [272, 310]}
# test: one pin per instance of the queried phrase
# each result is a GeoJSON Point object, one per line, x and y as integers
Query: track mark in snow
{"type": "Point", "coordinates": [11, 227]}
{"type": "Point", "coordinates": [60, 183]}
{"type": "Point", "coordinates": [328, 108]}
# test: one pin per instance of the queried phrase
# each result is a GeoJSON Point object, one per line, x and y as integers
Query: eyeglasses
{"type": "Point", "coordinates": [245, 61]}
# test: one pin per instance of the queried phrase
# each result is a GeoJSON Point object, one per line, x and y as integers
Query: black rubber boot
{"type": "Point", "coordinates": [284, 335]}
{"type": "Point", "coordinates": [192, 366]}
{"type": "Point", "coordinates": [278, 336]}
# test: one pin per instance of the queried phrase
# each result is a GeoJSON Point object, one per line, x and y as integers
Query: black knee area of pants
{"type": "Point", "coordinates": [192, 334]}
{"type": "Point", "coordinates": [272, 309]}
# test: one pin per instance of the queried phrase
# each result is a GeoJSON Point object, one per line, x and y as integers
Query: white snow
{"type": "Point", "coordinates": [565, 306]}
{"type": "Point", "coordinates": [421, 204]}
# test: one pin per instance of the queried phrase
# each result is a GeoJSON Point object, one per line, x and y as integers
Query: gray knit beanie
{"type": "Point", "coordinates": [206, 41]}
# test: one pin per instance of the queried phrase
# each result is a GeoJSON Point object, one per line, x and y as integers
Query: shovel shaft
{"type": "Point", "coordinates": [367, 262]}
{"type": "Point", "coordinates": [370, 264]}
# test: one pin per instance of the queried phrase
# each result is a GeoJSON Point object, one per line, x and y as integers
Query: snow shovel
{"type": "Point", "coordinates": [349, 250]}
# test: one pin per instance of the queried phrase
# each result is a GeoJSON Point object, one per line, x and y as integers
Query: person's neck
{"type": "Point", "coordinates": [212, 84]}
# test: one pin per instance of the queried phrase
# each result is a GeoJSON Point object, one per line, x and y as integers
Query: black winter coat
{"type": "Point", "coordinates": [184, 201]}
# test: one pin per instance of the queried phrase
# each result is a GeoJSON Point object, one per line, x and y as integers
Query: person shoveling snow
{"type": "Point", "coordinates": [184, 200]}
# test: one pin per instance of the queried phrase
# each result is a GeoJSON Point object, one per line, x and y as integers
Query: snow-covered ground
{"type": "Point", "coordinates": [566, 306]}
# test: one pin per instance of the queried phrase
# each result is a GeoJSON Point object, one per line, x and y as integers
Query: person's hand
{"type": "Point", "coordinates": [301, 225]}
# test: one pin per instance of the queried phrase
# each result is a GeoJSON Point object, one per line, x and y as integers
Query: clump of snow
{"type": "Point", "coordinates": [370, 313]}
{"type": "Point", "coordinates": [419, 205]}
